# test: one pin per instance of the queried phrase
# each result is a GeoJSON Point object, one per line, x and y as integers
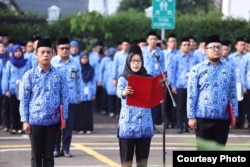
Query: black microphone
{"type": "Point", "coordinates": [155, 53]}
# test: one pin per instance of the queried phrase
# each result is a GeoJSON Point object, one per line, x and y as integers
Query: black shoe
{"type": "Point", "coordinates": [180, 131]}
{"type": "Point", "coordinates": [66, 154]}
{"type": "Point", "coordinates": [56, 154]}
{"type": "Point", "coordinates": [187, 130]}
{"type": "Point", "coordinates": [13, 132]}
{"type": "Point", "coordinates": [156, 130]}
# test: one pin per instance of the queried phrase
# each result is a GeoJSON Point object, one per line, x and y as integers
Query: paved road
{"type": "Point", "coordinates": [100, 149]}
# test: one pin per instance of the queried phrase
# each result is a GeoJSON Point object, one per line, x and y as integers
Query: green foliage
{"type": "Point", "coordinates": [137, 5]}
{"type": "Point", "coordinates": [88, 27]}
{"type": "Point", "coordinates": [194, 6]}
{"type": "Point", "coordinates": [130, 24]}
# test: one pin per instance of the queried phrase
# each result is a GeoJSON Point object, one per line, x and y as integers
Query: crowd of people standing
{"type": "Point", "coordinates": [94, 81]}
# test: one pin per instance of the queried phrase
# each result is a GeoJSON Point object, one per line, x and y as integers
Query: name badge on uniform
{"type": "Point", "coordinates": [73, 73]}
{"type": "Point", "coordinates": [17, 81]}
{"type": "Point", "coordinates": [86, 90]}
{"type": "Point", "coordinates": [156, 66]}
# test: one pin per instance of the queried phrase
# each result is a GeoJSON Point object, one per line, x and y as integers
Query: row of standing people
{"type": "Point", "coordinates": [113, 64]}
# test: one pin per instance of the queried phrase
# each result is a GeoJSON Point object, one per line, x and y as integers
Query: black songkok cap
{"type": "Point", "coordinates": [125, 40]}
{"type": "Point", "coordinates": [142, 40]}
{"type": "Point", "coordinates": [36, 38]}
{"type": "Point", "coordinates": [191, 37]}
{"type": "Point", "coordinates": [171, 35]}
{"type": "Point", "coordinates": [212, 38]}
{"type": "Point", "coordinates": [240, 39]}
{"type": "Point", "coordinates": [135, 49]}
{"type": "Point", "coordinates": [63, 41]}
{"type": "Point", "coordinates": [225, 42]}
{"type": "Point", "coordinates": [152, 32]}
{"type": "Point", "coordinates": [185, 39]}
{"type": "Point", "coordinates": [44, 43]}
{"type": "Point", "coordinates": [203, 39]}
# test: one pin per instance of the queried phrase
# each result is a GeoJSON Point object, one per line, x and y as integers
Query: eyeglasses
{"type": "Point", "coordinates": [43, 52]}
{"type": "Point", "coordinates": [215, 47]}
{"type": "Point", "coordinates": [64, 48]}
{"type": "Point", "coordinates": [136, 61]}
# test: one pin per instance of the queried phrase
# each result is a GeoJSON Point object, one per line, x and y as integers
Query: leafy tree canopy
{"type": "Point", "coordinates": [182, 6]}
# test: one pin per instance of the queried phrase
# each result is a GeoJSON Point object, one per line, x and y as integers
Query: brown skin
{"type": "Point", "coordinates": [225, 51]}
{"type": "Point", "coordinates": [240, 47]}
{"type": "Point", "coordinates": [152, 42]}
{"type": "Point", "coordinates": [171, 43]}
{"type": "Point", "coordinates": [63, 51]}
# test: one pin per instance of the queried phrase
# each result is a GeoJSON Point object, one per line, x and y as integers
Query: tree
{"type": "Point", "coordinates": [137, 5]}
{"type": "Point", "coordinates": [194, 6]}
{"type": "Point", "coordinates": [182, 6]}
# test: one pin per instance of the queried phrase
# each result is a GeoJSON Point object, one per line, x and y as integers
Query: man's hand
{"type": "Point", "coordinates": [192, 122]}
{"type": "Point", "coordinates": [63, 124]}
{"type": "Point", "coordinates": [26, 127]}
{"type": "Point", "coordinates": [114, 81]}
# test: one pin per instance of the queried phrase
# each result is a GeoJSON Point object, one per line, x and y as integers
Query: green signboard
{"type": "Point", "coordinates": [163, 16]}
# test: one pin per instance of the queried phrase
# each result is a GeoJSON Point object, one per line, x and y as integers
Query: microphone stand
{"type": "Point", "coordinates": [165, 85]}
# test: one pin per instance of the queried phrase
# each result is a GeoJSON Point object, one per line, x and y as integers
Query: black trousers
{"type": "Point", "coordinates": [139, 146]}
{"type": "Point", "coordinates": [84, 120]}
{"type": "Point", "coordinates": [240, 120]}
{"type": "Point", "coordinates": [64, 136]}
{"type": "Point", "coordinates": [5, 112]}
{"type": "Point", "coordinates": [14, 113]}
{"type": "Point", "coordinates": [181, 109]}
{"type": "Point", "coordinates": [112, 104]}
{"type": "Point", "coordinates": [247, 107]}
{"type": "Point", "coordinates": [212, 129]}
{"type": "Point", "coordinates": [42, 139]}
{"type": "Point", "coordinates": [101, 99]}
{"type": "Point", "coordinates": [170, 110]}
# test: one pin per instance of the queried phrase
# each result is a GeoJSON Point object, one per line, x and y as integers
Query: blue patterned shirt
{"type": "Point", "coordinates": [104, 75]}
{"type": "Point", "coordinates": [1, 75]}
{"type": "Point", "coordinates": [180, 69]}
{"type": "Point", "coordinates": [118, 64]}
{"type": "Point", "coordinates": [150, 62]}
{"type": "Point", "coordinates": [169, 56]}
{"type": "Point", "coordinates": [41, 94]}
{"type": "Point", "coordinates": [247, 81]}
{"type": "Point", "coordinates": [33, 59]}
{"type": "Point", "coordinates": [134, 122]}
{"type": "Point", "coordinates": [240, 66]}
{"type": "Point", "coordinates": [89, 90]}
{"type": "Point", "coordinates": [200, 54]}
{"type": "Point", "coordinates": [210, 90]}
{"type": "Point", "coordinates": [72, 69]}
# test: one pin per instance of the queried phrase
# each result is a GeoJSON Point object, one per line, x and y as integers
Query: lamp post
{"type": "Point", "coordinates": [53, 14]}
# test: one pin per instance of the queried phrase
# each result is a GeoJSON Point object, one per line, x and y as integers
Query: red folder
{"type": "Point", "coordinates": [231, 114]}
{"type": "Point", "coordinates": [61, 116]}
{"type": "Point", "coordinates": [148, 91]}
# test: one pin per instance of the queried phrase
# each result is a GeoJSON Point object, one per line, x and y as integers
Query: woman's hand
{"type": "Point", "coordinates": [127, 91]}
